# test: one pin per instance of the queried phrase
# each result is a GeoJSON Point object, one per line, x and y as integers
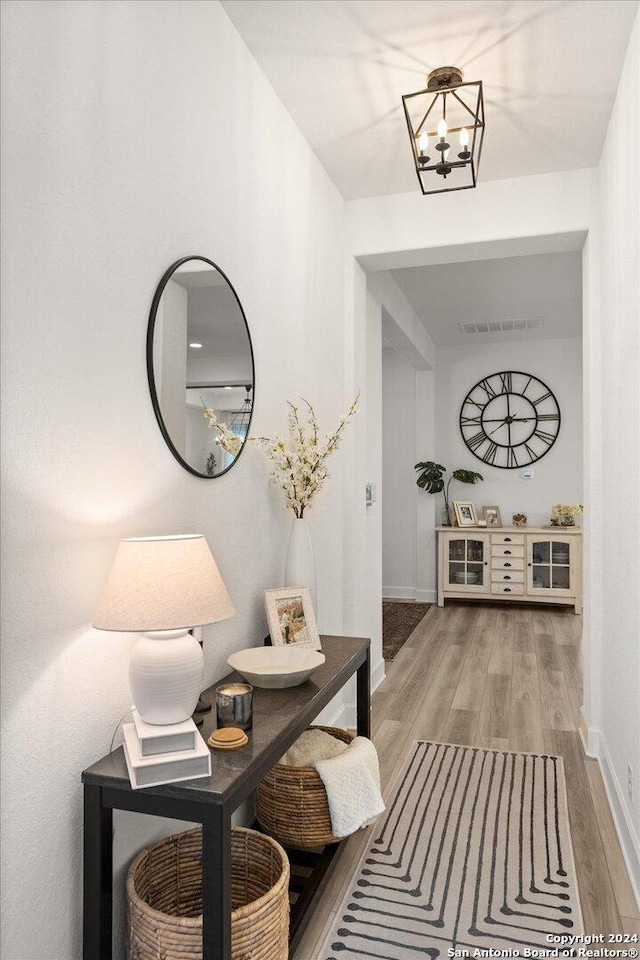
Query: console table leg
{"type": "Point", "coordinates": [216, 884]}
{"type": "Point", "coordinates": [363, 697]}
{"type": "Point", "coordinates": [98, 876]}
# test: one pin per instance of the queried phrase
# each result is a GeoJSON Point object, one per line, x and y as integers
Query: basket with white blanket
{"type": "Point", "coordinates": [320, 793]}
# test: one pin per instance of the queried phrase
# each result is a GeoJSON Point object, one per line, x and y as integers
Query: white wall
{"type": "Point", "coordinates": [613, 683]}
{"type": "Point", "coordinates": [558, 475]}
{"type": "Point", "coordinates": [126, 128]}
{"type": "Point", "coordinates": [407, 377]}
{"type": "Point", "coordinates": [399, 491]}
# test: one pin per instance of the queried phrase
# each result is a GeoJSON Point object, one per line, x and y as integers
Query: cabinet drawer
{"type": "Point", "coordinates": [507, 538]}
{"type": "Point", "coordinates": [507, 576]}
{"type": "Point", "coordinates": [513, 589]}
{"type": "Point", "coordinates": [507, 550]}
{"type": "Point", "coordinates": [507, 563]}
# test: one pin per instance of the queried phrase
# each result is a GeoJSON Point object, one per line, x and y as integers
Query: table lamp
{"type": "Point", "coordinates": [162, 587]}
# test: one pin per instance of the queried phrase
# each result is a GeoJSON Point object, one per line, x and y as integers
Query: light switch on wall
{"type": "Point", "coordinates": [528, 474]}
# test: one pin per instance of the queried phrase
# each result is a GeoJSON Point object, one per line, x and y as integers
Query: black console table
{"type": "Point", "coordinates": [279, 717]}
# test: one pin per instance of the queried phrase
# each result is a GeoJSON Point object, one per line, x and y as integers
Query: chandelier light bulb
{"type": "Point", "coordinates": [446, 118]}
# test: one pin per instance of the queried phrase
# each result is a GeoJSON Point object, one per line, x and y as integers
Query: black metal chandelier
{"type": "Point", "coordinates": [242, 417]}
{"type": "Point", "coordinates": [446, 108]}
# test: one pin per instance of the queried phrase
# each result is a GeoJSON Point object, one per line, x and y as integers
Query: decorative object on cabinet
{"type": "Point", "coordinates": [564, 514]}
{"type": "Point", "coordinates": [447, 106]}
{"type": "Point", "coordinates": [274, 668]}
{"type": "Point", "coordinates": [539, 566]}
{"type": "Point", "coordinates": [292, 805]}
{"type": "Point", "coordinates": [234, 705]}
{"type": "Point", "coordinates": [228, 738]}
{"type": "Point", "coordinates": [299, 468]}
{"type": "Point", "coordinates": [300, 565]}
{"type": "Point", "coordinates": [431, 479]}
{"type": "Point", "coordinates": [299, 463]}
{"type": "Point", "coordinates": [199, 348]}
{"type": "Point", "coordinates": [164, 894]}
{"type": "Point", "coordinates": [350, 773]}
{"type": "Point", "coordinates": [154, 770]}
{"type": "Point", "coordinates": [162, 586]}
{"type": "Point", "coordinates": [465, 513]}
{"type": "Point", "coordinates": [492, 516]}
{"type": "Point", "coordinates": [291, 617]}
{"type": "Point", "coordinates": [519, 519]}
{"type": "Point", "coordinates": [509, 419]}
{"type": "Point", "coordinates": [155, 740]}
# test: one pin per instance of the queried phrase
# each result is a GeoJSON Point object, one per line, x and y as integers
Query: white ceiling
{"type": "Point", "coordinates": [550, 70]}
{"type": "Point", "coordinates": [547, 286]}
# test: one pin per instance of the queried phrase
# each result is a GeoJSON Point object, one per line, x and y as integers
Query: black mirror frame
{"type": "Point", "coordinates": [151, 376]}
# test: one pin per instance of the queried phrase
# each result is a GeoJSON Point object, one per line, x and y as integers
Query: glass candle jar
{"type": "Point", "coordinates": [234, 705]}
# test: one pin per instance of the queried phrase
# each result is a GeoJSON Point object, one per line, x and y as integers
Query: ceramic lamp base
{"type": "Point", "coordinates": [166, 671]}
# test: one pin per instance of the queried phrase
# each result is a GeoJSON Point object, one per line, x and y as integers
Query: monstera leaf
{"type": "Point", "coordinates": [466, 476]}
{"type": "Point", "coordinates": [431, 479]}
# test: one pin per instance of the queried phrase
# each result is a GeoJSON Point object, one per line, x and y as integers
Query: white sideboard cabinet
{"type": "Point", "coordinates": [530, 564]}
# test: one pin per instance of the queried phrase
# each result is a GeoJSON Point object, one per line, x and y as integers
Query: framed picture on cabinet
{"type": "Point", "coordinates": [465, 513]}
{"type": "Point", "coordinates": [291, 618]}
{"type": "Point", "coordinates": [492, 516]}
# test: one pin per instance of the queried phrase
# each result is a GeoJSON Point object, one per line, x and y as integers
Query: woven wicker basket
{"type": "Point", "coordinates": [292, 806]}
{"type": "Point", "coordinates": [164, 893]}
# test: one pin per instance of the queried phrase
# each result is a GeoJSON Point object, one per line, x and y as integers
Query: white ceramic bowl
{"type": "Point", "coordinates": [276, 667]}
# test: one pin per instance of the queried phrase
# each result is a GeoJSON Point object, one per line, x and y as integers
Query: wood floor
{"type": "Point", "coordinates": [507, 677]}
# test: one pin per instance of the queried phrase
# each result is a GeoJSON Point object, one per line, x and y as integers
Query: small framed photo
{"type": "Point", "coordinates": [465, 513]}
{"type": "Point", "coordinates": [492, 516]}
{"type": "Point", "coordinates": [292, 621]}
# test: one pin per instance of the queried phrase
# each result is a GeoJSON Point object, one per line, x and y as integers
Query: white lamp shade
{"type": "Point", "coordinates": [163, 583]}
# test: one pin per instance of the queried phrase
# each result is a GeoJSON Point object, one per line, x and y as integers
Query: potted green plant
{"type": "Point", "coordinates": [431, 478]}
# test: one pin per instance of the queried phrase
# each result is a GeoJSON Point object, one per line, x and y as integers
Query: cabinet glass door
{"type": "Point", "coordinates": [466, 563]}
{"type": "Point", "coordinates": [549, 565]}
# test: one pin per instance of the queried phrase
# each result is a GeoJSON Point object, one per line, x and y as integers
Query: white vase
{"type": "Point", "coordinates": [300, 569]}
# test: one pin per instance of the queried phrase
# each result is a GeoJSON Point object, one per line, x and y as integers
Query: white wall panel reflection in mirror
{"type": "Point", "coordinates": [199, 355]}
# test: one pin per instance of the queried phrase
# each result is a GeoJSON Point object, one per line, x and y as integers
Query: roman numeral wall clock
{"type": "Point", "coordinates": [510, 419]}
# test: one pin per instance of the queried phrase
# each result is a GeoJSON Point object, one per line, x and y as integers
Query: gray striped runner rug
{"type": "Point", "coordinates": [473, 852]}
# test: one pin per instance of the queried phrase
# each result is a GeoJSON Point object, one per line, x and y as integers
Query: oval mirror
{"type": "Point", "coordinates": [200, 367]}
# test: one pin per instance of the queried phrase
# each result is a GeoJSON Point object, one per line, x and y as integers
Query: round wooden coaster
{"type": "Point", "coordinates": [228, 738]}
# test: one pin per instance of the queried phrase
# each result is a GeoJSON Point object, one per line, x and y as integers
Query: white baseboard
{"type": "Point", "coordinates": [625, 829]}
{"type": "Point", "coordinates": [427, 596]}
{"type": "Point", "coordinates": [377, 675]}
{"type": "Point", "coordinates": [590, 737]}
{"type": "Point", "coordinates": [409, 593]}
{"type": "Point", "coordinates": [398, 593]}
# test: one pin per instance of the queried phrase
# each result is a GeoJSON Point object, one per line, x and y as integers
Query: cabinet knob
{"type": "Point", "coordinates": [508, 564]}
{"type": "Point", "coordinates": [507, 539]}
{"type": "Point", "coordinates": [507, 576]}
{"type": "Point", "coordinates": [507, 589]}
{"type": "Point", "coordinates": [530, 564]}
{"type": "Point", "coordinates": [486, 563]}
{"type": "Point", "coordinates": [507, 553]}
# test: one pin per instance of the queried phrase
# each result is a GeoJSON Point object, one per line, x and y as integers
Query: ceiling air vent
{"type": "Point", "coordinates": [501, 326]}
